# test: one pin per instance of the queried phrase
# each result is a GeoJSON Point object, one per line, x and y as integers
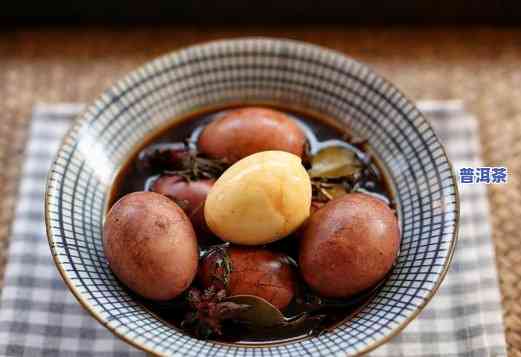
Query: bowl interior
{"type": "Point", "coordinates": [280, 72]}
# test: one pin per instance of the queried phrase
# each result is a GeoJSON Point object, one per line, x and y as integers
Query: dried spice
{"type": "Point", "coordinates": [209, 311]}
{"type": "Point", "coordinates": [158, 157]}
{"type": "Point", "coordinates": [197, 167]}
{"type": "Point", "coordinates": [325, 190]}
{"type": "Point", "coordinates": [334, 162]}
{"type": "Point", "coordinates": [337, 170]}
{"type": "Point", "coordinates": [177, 159]}
{"type": "Point", "coordinates": [334, 172]}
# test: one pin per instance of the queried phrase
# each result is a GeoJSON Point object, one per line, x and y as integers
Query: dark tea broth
{"type": "Point", "coordinates": [132, 177]}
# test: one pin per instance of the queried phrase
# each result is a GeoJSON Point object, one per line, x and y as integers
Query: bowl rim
{"type": "Point", "coordinates": [82, 118]}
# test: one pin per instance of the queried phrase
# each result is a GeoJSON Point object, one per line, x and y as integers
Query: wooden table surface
{"type": "Point", "coordinates": [481, 66]}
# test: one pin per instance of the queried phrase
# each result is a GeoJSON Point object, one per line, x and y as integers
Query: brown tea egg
{"type": "Point", "coordinates": [259, 199]}
{"type": "Point", "coordinates": [245, 131]}
{"type": "Point", "coordinates": [189, 195]}
{"type": "Point", "coordinates": [252, 271]}
{"type": "Point", "coordinates": [348, 245]}
{"type": "Point", "coordinates": [150, 245]}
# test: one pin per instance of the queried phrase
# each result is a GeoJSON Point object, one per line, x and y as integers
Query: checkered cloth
{"type": "Point", "coordinates": [40, 317]}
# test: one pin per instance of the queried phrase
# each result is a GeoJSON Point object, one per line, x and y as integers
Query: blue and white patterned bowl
{"type": "Point", "coordinates": [252, 71]}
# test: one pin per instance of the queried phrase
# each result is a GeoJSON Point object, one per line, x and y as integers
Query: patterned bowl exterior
{"type": "Point", "coordinates": [252, 70]}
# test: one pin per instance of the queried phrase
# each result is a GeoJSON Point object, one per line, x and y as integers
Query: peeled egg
{"type": "Point", "coordinates": [260, 199]}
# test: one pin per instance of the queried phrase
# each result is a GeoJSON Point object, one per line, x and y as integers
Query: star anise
{"type": "Point", "coordinates": [209, 311]}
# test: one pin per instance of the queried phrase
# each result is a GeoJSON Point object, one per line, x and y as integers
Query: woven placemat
{"type": "Point", "coordinates": [479, 66]}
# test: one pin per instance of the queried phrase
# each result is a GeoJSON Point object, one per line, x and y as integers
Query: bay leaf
{"type": "Point", "coordinates": [334, 162]}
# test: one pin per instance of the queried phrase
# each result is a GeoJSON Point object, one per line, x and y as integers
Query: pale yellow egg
{"type": "Point", "coordinates": [260, 199]}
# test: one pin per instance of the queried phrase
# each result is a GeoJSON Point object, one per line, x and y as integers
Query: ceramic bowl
{"type": "Point", "coordinates": [253, 70]}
